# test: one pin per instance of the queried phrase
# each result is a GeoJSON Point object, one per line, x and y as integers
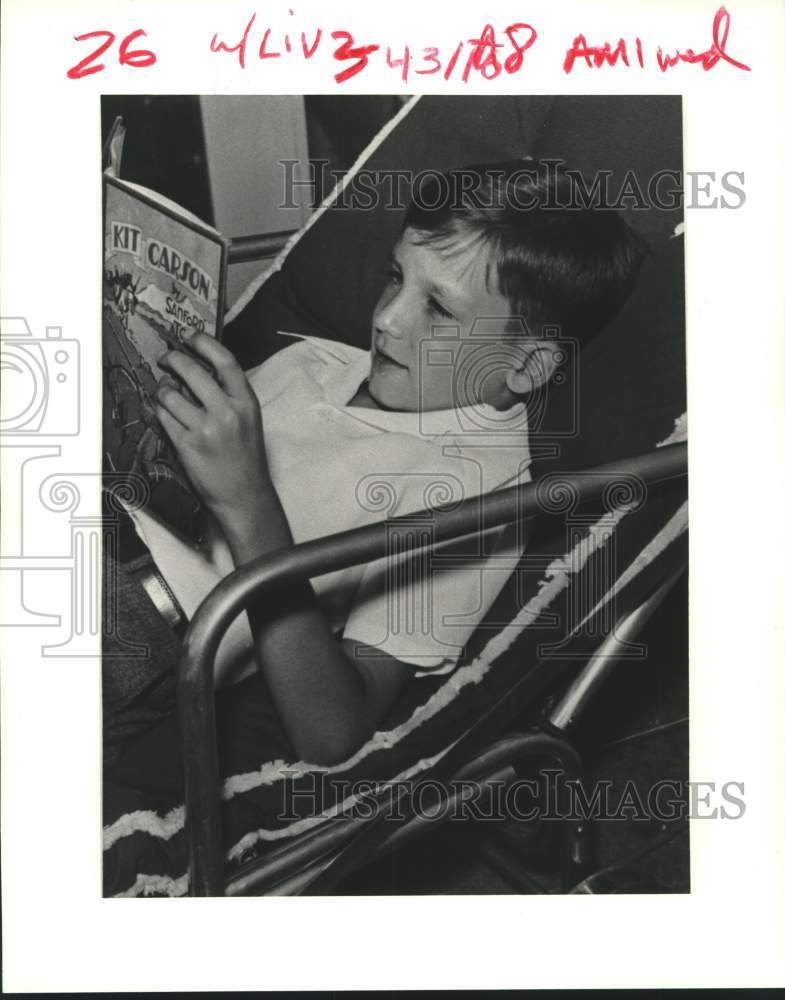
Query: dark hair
{"type": "Point", "coordinates": [558, 260]}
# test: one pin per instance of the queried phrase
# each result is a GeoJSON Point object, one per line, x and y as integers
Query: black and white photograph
{"type": "Point", "coordinates": [398, 576]}
{"type": "Point", "coordinates": [391, 546]}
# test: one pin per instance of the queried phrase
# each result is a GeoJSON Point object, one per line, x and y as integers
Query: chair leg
{"type": "Point", "coordinates": [527, 854]}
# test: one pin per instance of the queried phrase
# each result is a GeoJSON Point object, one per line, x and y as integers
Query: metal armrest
{"type": "Point", "coordinates": [247, 248]}
{"type": "Point", "coordinates": [313, 559]}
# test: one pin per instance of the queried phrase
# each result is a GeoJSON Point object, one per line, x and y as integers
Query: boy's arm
{"type": "Point", "coordinates": [329, 699]}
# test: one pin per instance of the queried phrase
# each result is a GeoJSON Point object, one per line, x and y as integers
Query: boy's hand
{"type": "Point", "coordinates": [218, 433]}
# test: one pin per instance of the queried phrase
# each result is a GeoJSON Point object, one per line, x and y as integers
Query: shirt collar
{"type": "Point", "coordinates": [467, 424]}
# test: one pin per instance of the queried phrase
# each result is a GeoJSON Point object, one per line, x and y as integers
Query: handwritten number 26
{"type": "Point", "coordinates": [127, 57]}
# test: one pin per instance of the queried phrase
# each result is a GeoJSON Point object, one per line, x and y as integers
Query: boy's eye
{"type": "Point", "coordinates": [394, 275]}
{"type": "Point", "coordinates": [435, 306]}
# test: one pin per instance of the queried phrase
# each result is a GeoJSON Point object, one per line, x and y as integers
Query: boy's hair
{"type": "Point", "coordinates": [557, 260]}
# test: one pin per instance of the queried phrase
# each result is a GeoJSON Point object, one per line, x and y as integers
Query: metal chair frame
{"type": "Point", "coordinates": [317, 861]}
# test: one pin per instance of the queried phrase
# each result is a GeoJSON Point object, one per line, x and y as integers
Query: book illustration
{"type": "Point", "coordinates": [135, 442]}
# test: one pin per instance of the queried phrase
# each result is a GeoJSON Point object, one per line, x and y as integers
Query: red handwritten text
{"type": "Point", "coordinates": [596, 56]}
{"type": "Point", "coordinates": [137, 58]}
{"type": "Point", "coordinates": [489, 54]}
{"type": "Point", "coordinates": [714, 54]}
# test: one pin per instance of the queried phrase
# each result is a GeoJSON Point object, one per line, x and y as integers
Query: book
{"type": "Point", "coordinates": [164, 279]}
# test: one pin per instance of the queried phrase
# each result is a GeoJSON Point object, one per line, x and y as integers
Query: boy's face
{"type": "Point", "coordinates": [434, 286]}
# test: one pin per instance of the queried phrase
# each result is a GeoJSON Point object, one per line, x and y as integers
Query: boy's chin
{"type": "Point", "coordinates": [387, 395]}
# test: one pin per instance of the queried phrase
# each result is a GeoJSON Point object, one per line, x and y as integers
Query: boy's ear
{"type": "Point", "coordinates": [537, 365]}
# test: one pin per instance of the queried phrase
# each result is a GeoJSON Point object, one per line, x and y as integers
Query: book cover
{"type": "Point", "coordinates": [163, 280]}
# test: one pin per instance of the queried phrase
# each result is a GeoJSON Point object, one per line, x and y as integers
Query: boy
{"type": "Point", "coordinates": [305, 444]}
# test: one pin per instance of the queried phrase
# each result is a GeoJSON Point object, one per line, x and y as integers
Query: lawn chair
{"type": "Point", "coordinates": [605, 519]}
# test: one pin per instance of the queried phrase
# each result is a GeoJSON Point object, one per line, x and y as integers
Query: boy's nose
{"type": "Point", "coordinates": [389, 320]}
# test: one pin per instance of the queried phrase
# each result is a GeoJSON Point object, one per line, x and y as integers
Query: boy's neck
{"type": "Point", "coordinates": [364, 399]}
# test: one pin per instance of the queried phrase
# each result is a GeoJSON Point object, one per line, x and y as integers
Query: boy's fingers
{"type": "Point", "coordinates": [178, 408]}
{"type": "Point", "coordinates": [201, 383]}
{"type": "Point", "coordinates": [228, 372]}
{"type": "Point", "coordinates": [172, 427]}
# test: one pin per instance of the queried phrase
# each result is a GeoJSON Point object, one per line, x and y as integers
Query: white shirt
{"type": "Point", "coordinates": [337, 467]}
